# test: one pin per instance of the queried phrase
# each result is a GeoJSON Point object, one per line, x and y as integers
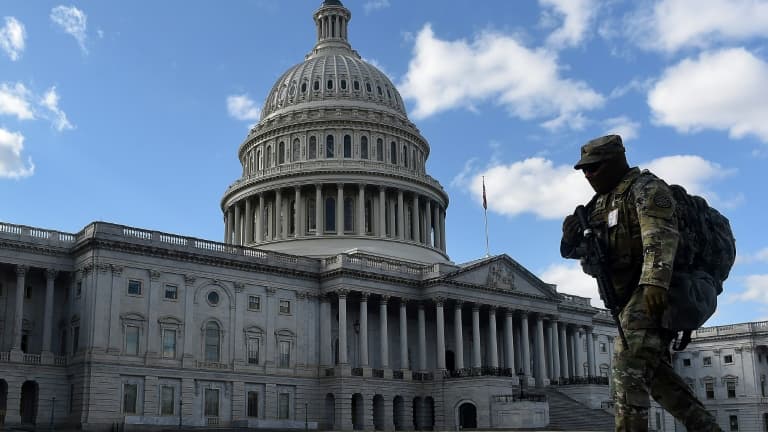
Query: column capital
{"type": "Point", "coordinates": [384, 299]}
{"type": "Point", "coordinates": [318, 186]}
{"type": "Point", "coordinates": [21, 270]}
{"type": "Point", "coordinates": [554, 318]}
{"type": "Point", "coordinates": [51, 273]}
{"type": "Point", "coordinates": [524, 314]}
{"type": "Point", "coordinates": [492, 309]}
{"type": "Point", "coordinates": [364, 296]}
{"type": "Point", "coordinates": [588, 329]}
{"type": "Point", "coordinates": [117, 270]}
{"type": "Point", "coordinates": [342, 293]}
{"type": "Point", "coordinates": [459, 303]}
{"type": "Point", "coordinates": [404, 301]}
{"type": "Point", "coordinates": [361, 185]}
{"type": "Point", "coordinates": [439, 301]}
{"type": "Point", "coordinates": [189, 279]}
{"type": "Point", "coordinates": [508, 311]}
{"type": "Point", "coordinates": [476, 306]}
{"type": "Point", "coordinates": [154, 275]}
{"type": "Point", "coordinates": [340, 185]}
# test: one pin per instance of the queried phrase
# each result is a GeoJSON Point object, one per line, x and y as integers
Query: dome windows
{"type": "Point", "coordinates": [304, 87]}
{"type": "Point", "coordinates": [364, 148]}
{"type": "Point", "coordinates": [316, 85]}
{"type": "Point", "coordinates": [295, 150]}
{"type": "Point", "coordinates": [292, 90]}
{"type": "Point", "coordinates": [393, 153]}
{"type": "Point", "coordinates": [378, 88]}
{"type": "Point", "coordinates": [281, 153]}
{"type": "Point", "coordinates": [329, 147]}
{"type": "Point", "coordinates": [343, 84]}
{"type": "Point", "coordinates": [329, 85]}
{"type": "Point", "coordinates": [368, 87]}
{"type": "Point", "coordinates": [347, 146]}
{"type": "Point", "coordinates": [312, 151]}
{"type": "Point", "coordinates": [380, 150]}
{"type": "Point", "coordinates": [405, 156]}
{"type": "Point", "coordinates": [356, 85]}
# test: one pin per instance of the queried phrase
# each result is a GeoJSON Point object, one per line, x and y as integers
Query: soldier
{"type": "Point", "coordinates": [633, 214]}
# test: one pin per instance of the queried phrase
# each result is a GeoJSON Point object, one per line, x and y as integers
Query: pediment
{"type": "Point", "coordinates": [501, 273]}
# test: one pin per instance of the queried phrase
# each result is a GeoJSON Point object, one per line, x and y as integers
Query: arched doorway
{"type": "Point", "coordinates": [3, 400]}
{"type": "Point", "coordinates": [450, 360]}
{"type": "Point", "coordinates": [467, 416]}
{"type": "Point", "coordinates": [330, 411]}
{"type": "Point", "coordinates": [358, 412]}
{"type": "Point", "coordinates": [378, 412]}
{"type": "Point", "coordinates": [398, 413]}
{"type": "Point", "coordinates": [418, 417]}
{"type": "Point", "coordinates": [28, 404]}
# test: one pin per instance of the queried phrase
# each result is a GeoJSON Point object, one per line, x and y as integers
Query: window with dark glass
{"type": "Point", "coordinates": [296, 150]}
{"type": "Point", "coordinates": [211, 402]}
{"type": "Point", "coordinates": [253, 404]}
{"type": "Point", "coordinates": [131, 340]}
{"type": "Point", "coordinates": [380, 150]}
{"type": "Point", "coordinates": [253, 350]}
{"type": "Point", "coordinates": [212, 342]}
{"type": "Point", "coordinates": [330, 214]}
{"type": "Point", "coordinates": [707, 361]}
{"type": "Point", "coordinates": [303, 87]}
{"type": "Point", "coordinates": [730, 386]}
{"type": "Point", "coordinates": [134, 287]}
{"type": "Point", "coordinates": [329, 147]}
{"type": "Point", "coordinates": [281, 153]}
{"type": "Point", "coordinates": [343, 84]}
{"type": "Point", "coordinates": [130, 394]}
{"type": "Point", "coordinates": [356, 85]}
{"type": "Point", "coordinates": [285, 306]}
{"type": "Point", "coordinates": [733, 422]}
{"type": "Point", "coordinates": [709, 390]}
{"type": "Point", "coordinates": [283, 411]}
{"type": "Point", "coordinates": [169, 343]}
{"type": "Point", "coordinates": [316, 85]}
{"type": "Point", "coordinates": [171, 292]}
{"type": "Point", "coordinates": [393, 153]}
{"type": "Point", "coordinates": [364, 148]}
{"type": "Point", "coordinates": [728, 358]}
{"type": "Point", "coordinates": [349, 214]}
{"type": "Point", "coordinates": [292, 218]}
{"type": "Point", "coordinates": [347, 146]}
{"type": "Point", "coordinates": [405, 156]}
{"type": "Point", "coordinates": [368, 87]}
{"type": "Point", "coordinates": [312, 151]}
{"type": "Point", "coordinates": [285, 354]}
{"type": "Point", "coordinates": [167, 400]}
{"type": "Point", "coordinates": [686, 362]}
{"type": "Point", "coordinates": [329, 85]}
{"type": "Point", "coordinates": [268, 157]}
{"type": "Point", "coordinates": [254, 303]}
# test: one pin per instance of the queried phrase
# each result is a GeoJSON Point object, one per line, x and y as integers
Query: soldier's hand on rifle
{"type": "Point", "coordinates": [571, 230]}
{"type": "Point", "coordinates": [655, 298]}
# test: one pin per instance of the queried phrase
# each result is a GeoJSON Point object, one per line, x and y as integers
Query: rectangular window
{"type": "Point", "coordinates": [79, 289]}
{"type": "Point", "coordinates": [254, 303]}
{"type": "Point", "coordinates": [171, 292]}
{"type": "Point", "coordinates": [253, 404]}
{"type": "Point", "coordinates": [131, 340]}
{"type": "Point", "coordinates": [733, 421]}
{"type": "Point", "coordinates": [709, 390]}
{"type": "Point", "coordinates": [311, 215]}
{"type": "Point", "coordinates": [130, 394]}
{"type": "Point", "coordinates": [285, 354]}
{"type": "Point", "coordinates": [167, 400]}
{"type": "Point", "coordinates": [75, 339]}
{"type": "Point", "coordinates": [211, 402]}
{"type": "Point", "coordinates": [728, 358]}
{"type": "Point", "coordinates": [169, 343]}
{"type": "Point", "coordinates": [253, 351]}
{"type": "Point", "coordinates": [687, 362]}
{"type": "Point", "coordinates": [707, 361]}
{"type": "Point", "coordinates": [134, 287]}
{"type": "Point", "coordinates": [28, 292]}
{"type": "Point", "coordinates": [731, 387]}
{"type": "Point", "coordinates": [285, 307]}
{"type": "Point", "coordinates": [603, 347]}
{"type": "Point", "coordinates": [284, 406]}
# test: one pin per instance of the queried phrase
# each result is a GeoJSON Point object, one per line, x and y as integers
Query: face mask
{"type": "Point", "coordinates": [604, 176]}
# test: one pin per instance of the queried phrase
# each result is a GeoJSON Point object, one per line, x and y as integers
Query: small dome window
{"type": "Point", "coordinates": [213, 298]}
{"type": "Point", "coordinates": [356, 85]}
{"type": "Point", "coordinates": [378, 88]}
{"type": "Point", "coordinates": [304, 87]}
{"type": "Point", "coordinates": [329, 85]}
{"type": "Point", "coordinates": [292, 90]}
{"type": "Point", "coordinates": [343, 84]}
{"type": "Point", "coordinates": [368, 87]}
{"type": "Point", "coordinates": [316, 85]}
{"type": "Point", "coordinates": [389, 94]}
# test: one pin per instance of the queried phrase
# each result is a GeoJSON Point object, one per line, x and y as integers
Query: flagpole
{"type": "Point", "coordinates": [485, 212]}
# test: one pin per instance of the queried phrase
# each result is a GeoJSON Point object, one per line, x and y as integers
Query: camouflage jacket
{"type": "Point", "coordinates": [637, 224]}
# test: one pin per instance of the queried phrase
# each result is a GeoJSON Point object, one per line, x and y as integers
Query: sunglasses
{"type": "Point", "coordinates": [591, 168]}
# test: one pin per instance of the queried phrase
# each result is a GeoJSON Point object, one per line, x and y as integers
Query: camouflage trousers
{"type": "Point", "coordinates": [644, 368]}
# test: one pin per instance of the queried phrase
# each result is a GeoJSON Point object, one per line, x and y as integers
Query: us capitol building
{"type": "Point", "coordinates": [331, 300]}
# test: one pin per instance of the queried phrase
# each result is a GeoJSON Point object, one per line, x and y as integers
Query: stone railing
{"type": "Point", "coordinates": [598, 380]}
{"type": "Point", "coordinates": [398, 374]}
{"type": "Point", "coordinates": [211, 421]}
{"type": "Point", "coordinates": [34, 359]}
{"type": "Point", "coordinates": [37, 235]}
{"type": "Point", "coordinates": [576, 300]}
{"type": "Point", "coordinates": [211, 365]}
{"type": "Point", "coordinates": [378, 373]}
{"type": "Point", "coordinates": [525, 397]}
{"type": "Point", "coordinates": [373, 167]}
{"type": "Point", "coordinates": [476, 372]}
{"type": "Point", "coordinates": [422, 376]}
{"type": "Point", "coordinates": [365, 262]}
{"type": "Point", "coordinates": [5, 356]}
{"type": "Point", "coordinates": [732, 329]}
{"type": "Point", "coordinates": [60, 360]}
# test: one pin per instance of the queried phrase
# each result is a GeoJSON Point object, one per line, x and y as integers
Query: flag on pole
{"type": "Point", "coordinates": [485, 202]}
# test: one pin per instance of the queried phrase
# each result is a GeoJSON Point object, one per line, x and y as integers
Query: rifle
{"type": "Point", "coordinates": [596, 254]}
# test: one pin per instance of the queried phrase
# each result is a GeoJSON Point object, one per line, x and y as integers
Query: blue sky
{"type": "Point", "coordinates": [132, 112]}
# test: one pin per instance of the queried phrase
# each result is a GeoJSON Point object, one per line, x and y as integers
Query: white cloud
{"type": "Point", "coordinates": [12, 36]}
{"type": "Point", "coordinates": [14, 100]}
{"type": "Point", "coordinates": [11, 163]}
{"type": "Point", "coordinates": [445, 75]}
{"type": "Point", "coordinates": [756, 289]}
{"type": "Point", "coordinates": [374, 5]}
{"type": "Point", "coordinates": [671, 25]}
{"type": "Point", "coordinates": [694, 173]}
{"type": "Point", "coordinates": [723, 90]}
{"type": "Point", "coordinates": [73, 21]}
{"type": "Point", "coordinates": [759, 256]}
{"type": "Point", "coordinates": [242, 107]}
{"type": "Point", "coordinates": [622, 125]}
{"type": "Point", "coordinates": [570, 279]}
{"type": "Point", "coordinates": [577, 15]}
{"type": "Point", "coordinates": [50, 101]}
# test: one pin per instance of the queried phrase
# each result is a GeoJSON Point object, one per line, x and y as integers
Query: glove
{"type": "Point", "coordinates": [571, 230]}
{"type": "Point", "coordinates": [655, 299]}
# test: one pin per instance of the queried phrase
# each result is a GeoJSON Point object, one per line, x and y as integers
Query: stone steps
{"type": "Point", "coordinates": [567, 414]}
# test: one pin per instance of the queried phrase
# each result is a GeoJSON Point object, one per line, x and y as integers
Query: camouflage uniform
{"type": "Point", "coordinates": [636, 222]}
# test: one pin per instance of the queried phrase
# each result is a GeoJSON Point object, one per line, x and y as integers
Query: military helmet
{"type": "Point", "coordinates": [600, 149]}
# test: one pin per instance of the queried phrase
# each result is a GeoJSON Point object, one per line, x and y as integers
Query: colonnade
{"type": "Point", "coordinates": [537, 344]}
{"type": "Point", "coordinates": [17, 345]}
{"type": "Point", "coordinates": [337, 209]}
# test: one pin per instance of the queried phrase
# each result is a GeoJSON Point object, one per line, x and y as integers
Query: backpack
{"type": "Point", "coordinates": [705, 254]}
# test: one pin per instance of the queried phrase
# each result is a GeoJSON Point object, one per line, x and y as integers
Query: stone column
{"type": "Point", "coordinates": [278, 213]}
{"type": "Point", "coordinates": [382, 212]}
{"type": "Point", "coordinates": [525, 336]}
{"type": "Point", "coordinates": [541, 363]}
{"type": "Point", "coordinates": [563, 351]}
{"type": "Point", "coordinates": [415, 219]}
{"type": "Point", "coordinates": [384, 332]}
{"type": "Point", "coordinates": [610, 366]}
{"type": "Point", "coordinates": [509, 338]}
{"type": "Point", "coordinates": [248, 221]}
{"type": "Point", "coordinates": [590, 352]}
{"type": "Point", "coordinates": [422, 339]}
{"type": "Point", "coordinates": [476, 358]}
{"type": "Point", "coordinates": [50, 277]}
{"type": "Point", "coordinates": [436, 222]}
{"type": "Point", "coordinates": [342, 326]}
{"type": "Point", "coordinates": [428, 217]}
{"type": "Point", "coordinates": [403, 335]}
{"type": "Point", "coordinates": [443, 245]}
{"type": "Point", "coordinates": [579, 363]}
{"type": "Point", "coordinates": [18, 316]}
{"type": "Point", "coordinates": [458, 331]}
{"type": "Point", "coordinates": [340, 209]}
{"type": "Point", "coordinates": [555, 349]}
{"type": "Point", "coordinates": [326, 346]}
{"type": "Point", "coordinates": [319, 226]}
{"type": "Point", "coordinates": [361, 209]}
{"type": "Point", "coordinates": [440, 333]}
{"type": "Point", "coordinates": [364, 329]}
{"type": "Point", "coordinates": [298, 220]}
{"type": "Point", "coordinates": [260, 220]}
{"type": "Point", "coordinates": [238, 229]}
{"type": "Point", "coordinates": [494, 360]}
{"type": "Point", "coordinates": [229, 223]}
{"type": "Point", "coordinates": [400, 215]}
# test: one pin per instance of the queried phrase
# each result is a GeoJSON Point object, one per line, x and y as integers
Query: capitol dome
{"type": "Point", "coordinates": [335, 165]}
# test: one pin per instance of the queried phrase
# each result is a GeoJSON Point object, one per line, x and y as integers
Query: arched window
{"type": "Point", "coordinates": [329, 147]}
{"type": "Point", "coordinates": [304, 87]}
{"type": "Point", "coordinates": [364, 148]}
{"type": "Point", "coordinates": [393, 153]}
{"type": "Point", "coordinates": [260, 160]}
{"type": "Point", "coordinates": [329, 85]}
{"type": "Point", "coordinates": [349, 214]}
{"type": "Point", "coordinates": [330, 214]}
{"type": "Point", "coordinates": [368, 216]}
{"type": "Point", "coordinates": [268, 157]}
{"type": "Point", "coordinates": [311, 215]}
{"type": "Point", "coordinates": [405, 156]}
{"type": "Point", "coordinates": [316, 85]}
{"type": "Point", "coordinates": [343, 84]}
{"type": "Point", "coordinates": [295, 150]}
{"type": "Point", "coordinates": [380, 150]}
{"type": "Point", "coordinates": [281, 153]}
{"type": "Point", "coordinates": [312, 152]}
{"type": "Point", "coordinates": [347, 146]}
{"type": "Point", "coordinates": [356, 85]}
{"type": "Point", "coordinates": [212, 342]}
